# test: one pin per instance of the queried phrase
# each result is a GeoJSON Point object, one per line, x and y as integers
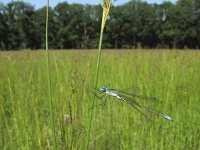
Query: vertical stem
{"type": "Point", "coordinates": [95, 80]}
{"type": "Point", "coordinates": [49, 81]}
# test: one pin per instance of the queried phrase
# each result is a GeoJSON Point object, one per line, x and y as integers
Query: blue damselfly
{"type": "Point", "coordinates": [121, 95]}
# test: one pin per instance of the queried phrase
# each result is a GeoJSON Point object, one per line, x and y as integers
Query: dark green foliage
{"type": "Point", "coordinates": [135, 24]}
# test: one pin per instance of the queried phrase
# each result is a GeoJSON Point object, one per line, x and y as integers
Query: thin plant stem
{"type": "Point", "coordinates": [49, 81]}
{"type": "Point", "coordinates": [95, 84]}
{"type": "Point", "coordinates": [106, 7]}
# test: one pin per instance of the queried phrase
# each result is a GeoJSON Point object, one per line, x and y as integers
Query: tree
{"type": "Point", "coordinates": [40, 28]}
{"type": "Point", "coordinates": [187, 25]}
{"type": "Point", "coordinates": [3, 29]}
{"type": "Point", "coordinates": [135, 24]}
{"type": "Point", "coordinates": [20, 24]}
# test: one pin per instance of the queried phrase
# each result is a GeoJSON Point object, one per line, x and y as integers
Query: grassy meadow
{"type": "Point", "coordinates": [171, 76]}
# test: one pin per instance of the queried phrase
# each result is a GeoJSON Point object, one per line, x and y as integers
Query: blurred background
{"type": "Point", "coordinates": [75, 24]}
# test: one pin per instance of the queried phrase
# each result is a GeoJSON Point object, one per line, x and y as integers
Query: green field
{"type": "Point", "coordinates": [171, 76]}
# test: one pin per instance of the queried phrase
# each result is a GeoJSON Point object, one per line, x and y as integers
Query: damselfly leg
{"type": "Point", "coordinates": [102, 97]}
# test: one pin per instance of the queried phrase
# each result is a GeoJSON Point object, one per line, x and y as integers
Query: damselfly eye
{"type": "Point", "coordinates": [103, 88]}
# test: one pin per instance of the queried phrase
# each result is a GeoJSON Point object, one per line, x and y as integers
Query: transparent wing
{"type": "Point", "coordinates": [143, 114]}
{"type": "Point", "coordinates": [136, 104]}
{"type": "Point", "coordinates": [141, 97]}
{"type": "Point", "coordinates": [144, 100]}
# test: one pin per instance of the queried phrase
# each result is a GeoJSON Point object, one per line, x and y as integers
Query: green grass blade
{"type": "Point", "coordinates": [91, 107]}
{"type": "Point", "coordinates": [49, 81]}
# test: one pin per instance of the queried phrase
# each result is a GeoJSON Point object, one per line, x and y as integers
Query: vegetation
{"type": "Point", "coordinates": [51, 107]}
{"type": "Point", "coordinates": [135, 24]}
{"type": "Point", "coordinates": [106, 5]}
{"type": "Point", "coordinates": [71, 122]}
{"type": "Point", "coordinates": [171, 76]}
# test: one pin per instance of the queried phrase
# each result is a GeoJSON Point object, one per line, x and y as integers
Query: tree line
{"type": "Point", "coordinates": [135, 24]}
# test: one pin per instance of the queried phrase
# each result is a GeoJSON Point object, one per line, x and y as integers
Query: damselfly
{"type": "Point", "coordinates": [122, 96]}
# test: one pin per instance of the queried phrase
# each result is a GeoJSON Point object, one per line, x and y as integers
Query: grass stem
{"type": "Point", "coordinates": [106, 7]}
{"type": "Point", "coordinates": [49, 81]}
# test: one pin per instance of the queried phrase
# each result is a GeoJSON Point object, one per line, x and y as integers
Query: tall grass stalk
{"type": "Point", "coordinates": [106, 4]}
{"type": "Point", "coordinates": [49, 81]}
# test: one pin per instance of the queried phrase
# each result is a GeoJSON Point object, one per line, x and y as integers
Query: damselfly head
{"type": "Point", "coordinates": [103, 88]}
